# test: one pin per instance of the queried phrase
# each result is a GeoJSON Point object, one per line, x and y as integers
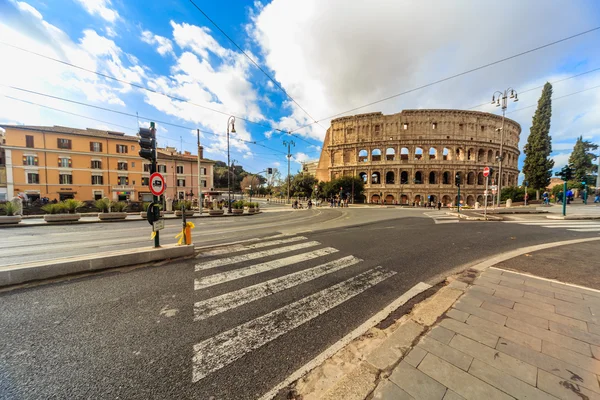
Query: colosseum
{"type": "Point", "coordinates": [413, 156]}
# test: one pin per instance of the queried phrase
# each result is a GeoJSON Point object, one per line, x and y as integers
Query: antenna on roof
{"type": "Point", "coordinates": [138, 120]}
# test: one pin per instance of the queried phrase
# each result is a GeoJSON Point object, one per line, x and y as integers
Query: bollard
{"type": "Point", "coordinates": [184, 230]}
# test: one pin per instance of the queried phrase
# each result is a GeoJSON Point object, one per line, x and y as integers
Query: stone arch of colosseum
{"type": "Point", "coordinates": [414, 155]}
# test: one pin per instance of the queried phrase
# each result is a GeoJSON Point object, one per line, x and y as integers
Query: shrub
{"type": "Point", "coordinates": [9, 208]}
{"type": "Point", "coordinates": [72, 205]}
{"type": "Point", "coordinates": [57, 208]}
{"type": "Point", "coordinates": [118, 206]}
{"type": "Point", "coordinates": [103, 205]}
{"type": "Point", "coordinates": [238, 205]}
{"type": "Point", "coordinates": [145, 205]}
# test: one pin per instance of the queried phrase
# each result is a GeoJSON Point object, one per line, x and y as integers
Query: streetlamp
{"type": "Point", "coordinates": [230, 122]}
{"type": "Point", "coordinates": [504, 96]}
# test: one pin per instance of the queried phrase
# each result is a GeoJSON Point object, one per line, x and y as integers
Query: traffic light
{"type": "Point", "coordinates": [457, 179]}
{"type": "Point", "coordinates": [148, 145]}
{"type": "Point", "coordinates": [269, 171]}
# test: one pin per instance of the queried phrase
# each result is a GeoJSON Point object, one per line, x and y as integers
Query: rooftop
{"type": "Point", "coordinates": [74, 131]}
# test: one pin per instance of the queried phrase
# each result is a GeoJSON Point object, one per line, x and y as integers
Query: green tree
{"type": "Point", "coordinates": [582, 159]}
{"type": "Point", "coordinates": [332, 188]}
{"type": "Point", "coordinates": [538, 166]}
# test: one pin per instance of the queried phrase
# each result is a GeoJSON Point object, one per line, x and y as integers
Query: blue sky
{"type": "Point", "coordinates": [329, 55]}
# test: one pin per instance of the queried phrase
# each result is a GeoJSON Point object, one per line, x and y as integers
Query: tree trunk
{"type": "Point", "coordinates": [537, 194]}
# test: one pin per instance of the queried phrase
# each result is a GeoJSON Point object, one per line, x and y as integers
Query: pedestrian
{"type": "Point", "coordinates": [545, 197]}
{"type": "Point", "coordinates": [439, 205]}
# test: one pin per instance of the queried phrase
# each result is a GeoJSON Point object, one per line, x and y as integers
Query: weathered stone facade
{"type": "Point", "coordinates": [414, 155]}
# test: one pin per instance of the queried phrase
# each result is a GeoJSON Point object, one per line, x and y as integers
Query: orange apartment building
{"type": "Point", "coordinates": [86, 164]}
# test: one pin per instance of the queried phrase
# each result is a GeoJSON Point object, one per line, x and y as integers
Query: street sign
{"type": "Point", "coordinates": [486, 171]}
{"type": "Point", "coordinates": [158, 225]}
{"type": "Point", "coordinates": [494, 189]}
{"type": "Point", "coordinates": [485, 192]}
{"type": "Point", "coordinates": [157, 184]}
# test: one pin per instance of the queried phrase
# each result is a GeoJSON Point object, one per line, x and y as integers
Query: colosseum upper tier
{"type": "Point", "coordinates": [413, 156]}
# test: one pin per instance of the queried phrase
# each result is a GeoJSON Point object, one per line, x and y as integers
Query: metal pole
{"type": "Point", "coordinates": [564, 199]}
{"type": "Point", "coordinates": [458, 202]}
{"type": "Point", "coordinates": [288, 175]}
{"type": "Point", "coordinates": [487, 179]}
{"type": "Point", "coordinates": [501, 145]}
{"type": "Point", "coordinates": [155, 198]}
{"type": "Point", "coordinates": [228, 173]}
{"type": "Point", "coordinates": [598, 175]}
{"type": "Point", "coordinates": [199, 174]}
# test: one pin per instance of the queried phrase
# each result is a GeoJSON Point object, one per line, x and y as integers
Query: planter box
{"type": "Point", "coordinates": [143, 214]}
{"type": "Point", "coordinates": [10, 219]}
{"type": "Point", "coordinates": [61, 217]}
{"type": "Point", "coordinates": [188, 213]}
{"type": "Point", "coordinates": [251, 210]}
{"type": "Point", "coordinates": [237, 211]}
{"type": "Point", "coordinates": [216, 212]}
{"type": "Point", "coordinates": [112, 215]}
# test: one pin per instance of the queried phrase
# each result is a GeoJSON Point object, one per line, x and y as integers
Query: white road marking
{"type": "Point", "coordinates": [446, 222]}
{"type": "Point", "coordinates": [227, 276]}
{"type": "Point", "coordinates": [252, 256]}
{"type": "Point", "coordinates": [219, 351]}
{"type": "Point", "coordinates": [216, 305]}
{"type": "Point", "coordinates": [557, 223]}
{"type": "Point", "coordinates": [236, 248]}
{"type": "Point", "coordinates": [572, 226]}
{"type": "Point", "coordinates": [586, 229]}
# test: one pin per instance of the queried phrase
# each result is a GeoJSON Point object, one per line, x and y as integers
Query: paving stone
{"type": "Point", "coordinates": [506, 333]}
{"type": "Point", "coordinates": [470, 300]}
{"type": "Point", "coordinates": [387, 390]}
{"type": "Point", "coordinates": [459, 381]}
{"type": "Point", "coordinates": [512, 366]}
{"type": "Point", "coordinates": [577, 289]}
{"type": "Point", "coordinates": [563, 388]}
{"type": "Point", "coordinates": [491, 299]}
{"type": "Point", "coordinates": [585, 362]}
{"type": "Point", "coordinates": [561, 319]}
{"type": "Point", "coordinates": [593, 298]}
{"type": "Point", "coordinates": [487, 278]}
{"type": "Point", "coordinates": [457, 314]}
{"type": "Point", "coordinates": [596, 352]}
{"type": "Point", "coordinates": [506, 383]}
{"type": "Point", "coordinates": [593, 328]}
{"type": "Point", "coordinates": [528, 288]}
{"type": "Point", "coordinates": [441, 334]}
{"type": "Point", "coordinates": [417, 383]}
{"type": "Point", "coordinates": [571, 299]}
{"type": "Point", "coordinates": [549, 364]}
{"type": "Point", "coordinates": [415, 356]}
{"type": "Point", "coordinates": [580, 314]}
{"type": "Point", "coordinates": [445, 352]}
{"type": "Point", "coordinates": [509, 312]}
{"type": "Point", "coordinates": [469, 331]}
{"type": "Point", "coordinates": [547, 286]}
{"type": "Point", "coordinates": [549, 336]}
{"type": "Point", "coordinates": [456, 284]}
{"type": "Point", "coordinates": [575, 333]}
{"type": "Point", "coordinates": [579, 305]}
{"type": "Point", "coordinates": [482, 313]}
{"type": "Point", "coordinates": [518, 281]}
{"type": "Point", "coordinates": [482, 289]}
{"type": "Point", "coordinates": [503, 288]}
{"type": "Point", "coordinates": [530, 302]}
{"type": "Point", "coordinates": [394, 346]}
{"type": "Point", "coordinates": [450, 395]}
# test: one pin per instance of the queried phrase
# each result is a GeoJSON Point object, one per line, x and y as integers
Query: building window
{"type": "Point", "coordinates": [33, 177]}
{"type": "Point", "coordinates": [29, 141]}
{"type": "Point", "coordinates": [460, 127]}
{"type": "Point", "coordinates": [180, 182]}
{"type": "Point", "coordinates": [121, 148]}
{"type": "Point", "coordinates": [203, 171]}
{"type": "Point", "coordinates": [64, 162]}
{"type": "Point", "coordinates": [96, 147]}
{"type": "Point", "coordinates": [145, 181]}
{"type": "Point", "coordinates": [122, 166]}
{"type": "Point", "coordinates": [434, 125]}
{"type": "Point", "coordinates": [123, 180]}
{"type": "Point", "coordinates": [132, 164]}
{"type": "Point", "coordinates": [97, 180]}
{"type": "Point", "coordinates": [65, 179]}
{"type": "Point", "coordinates": [203, 183]}
{"type": "Point", "coordinates": [162, 168]}
{"type": "Point", "coordinates": [180, 169]}
{"type": "Point", "coordinates": [64, 144]}
{"type": "Point", "coordinates": [132, 148]}
{"type": "Point", "coordinates": [147, 167]}
{"type": "Point", "coordinates": [405, 126]}
{"type": "Point", "coordinates": [30, 160]}
{"type": "Point", "coordinates": [96, 164]}
{"type": "Point", "coordinates": [377, 128]}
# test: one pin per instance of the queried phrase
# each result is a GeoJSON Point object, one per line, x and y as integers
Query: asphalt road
{"type": "Point", "coordinates": [211, 328]}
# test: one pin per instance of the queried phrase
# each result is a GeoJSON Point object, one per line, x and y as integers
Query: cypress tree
{"type": "Point", "coordinates": [581, 159]}
{"type": "Point", "coordinates": [538, 166]}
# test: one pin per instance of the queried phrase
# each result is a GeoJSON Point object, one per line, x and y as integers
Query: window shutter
{"type": "Point", "coordinates": [100, 146]}
{"type": "Point", "coordinates": [24, 160]}
{"type": "Point", "coordinates": [127, 181]}
{"type": "Point", "coordinates": [70, 163]}
{"type": "Point", "coordinates": [35, 161]}
{"type": "Point", "coordinates": [91, 146]}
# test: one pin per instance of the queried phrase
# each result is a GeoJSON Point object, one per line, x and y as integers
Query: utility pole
{"type": "Point", "coordinates": [504, 97]}
{"type": "Point", "coordinates": [289, 157]}
{"type": "Point", "coordinates": [598, 175]}
{"type": "Point", "coordinates": [199, 174]}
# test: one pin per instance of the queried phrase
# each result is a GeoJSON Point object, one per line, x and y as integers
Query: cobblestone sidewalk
{"type": "Point", "coordinates": [509, 336]}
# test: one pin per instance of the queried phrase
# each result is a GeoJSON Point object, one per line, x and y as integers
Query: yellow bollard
{"type": "Point", "coordinates": [185, 236]}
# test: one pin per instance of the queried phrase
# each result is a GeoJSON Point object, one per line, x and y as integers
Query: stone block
{"type": "Point", "coordinates": [456, 284]}
{"type": "Point", "coordinates": [445, 352]}
{"type": "Point", "coordinates": [416, 383]}
{"type": "Point", "coordinates": [386, 390]}
{"type": "Point", "coordinates": [471, 332]}
{"type": "Point", "coordinates": [506, 333]}
{"type": "Point", "coordinates": [457, 315]}
{"type": "Point", "coordinates": [395, 346]}
{"type": "Point", "coordinates": [459, 381]}
{"type": "Point", "coordinates": [521, 316]}
{"type": "Point", "coordinates": [564, 388]}
{"type": "Point", "coordinates": [582, 314]}
{"type": "Point", "coordinates": [576, 333]}
{"type": "Point", "coordinates": [482, 289]}
{"type": "Point", "coordinates": [549, 336]}
{"type": "Point", "coordinates": [584, 362]}
{"type": "Point", "coordinates": [593, 328]}
{"type": "Point", "coordinates": [561, 319]}
{"type": "Point", "coordinates": [501, 361]}
{"type": "Point", "coordinates": [415, 356]}
{"type": "Point", "coordinates": [482, 313]}
{"type": "Point", "coordinates": [501, 301]}
{"type": "Point", "coordinates": [506, 383]}
{"type": "Point", "coordinates": [450, 395]}
{"type": "Point", "coordinates": [441, 334]}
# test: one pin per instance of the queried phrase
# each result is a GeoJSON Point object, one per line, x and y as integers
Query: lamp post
{"type": "Point", "coordinates": [502, 100]}
{"type": "Point", "coordinates": [230, 122]}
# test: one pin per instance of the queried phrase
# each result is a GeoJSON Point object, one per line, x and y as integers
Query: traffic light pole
{"type": "Point", "coordinates": [148, 151]}
{"type": "Point", "coordinates": [155, 199]}
{"type": "Point", "coordinates": [487, 179]}
{"type": "Point", "coordinates": [458, 203]}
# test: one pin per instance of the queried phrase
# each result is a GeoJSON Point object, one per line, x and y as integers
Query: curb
{"type": "Point", "coordinates": [27, 272]}
{"type": "Point", "coordinates": [472, 218]}
{"type": "Point", "coordinates": [573, 217]}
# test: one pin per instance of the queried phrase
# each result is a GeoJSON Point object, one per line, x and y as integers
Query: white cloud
{"type": "Point", "coordinates": [196, 38]}
{"type": "Point", "coordinates": [301, 157]}
{"type": "Point", "coordinates": [110, 32]}
{"type": "Point", "coordinates": [31, 10]}
{"type": "Point", "coordinates": [101, 8]}
{"type": "Point", "coordinates": [164, 46]}
{"type": "Point", "coordinates": [336, 55]}
{"type": "Point", "coordinates": [560, 160]}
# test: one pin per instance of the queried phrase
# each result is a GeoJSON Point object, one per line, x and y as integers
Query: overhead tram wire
{"type": "Point", "coordinates": [556, 98]}
{"type": "Point", "coordinates": [456, 75]}
{"type": "Point", "coordinates": [131, 115]}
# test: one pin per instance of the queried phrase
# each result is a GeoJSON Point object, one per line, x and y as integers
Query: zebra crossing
{"type": "Point", "coordinates": [221, 350]}
{"type": "Point", "coordinates": [440, 217]}
{"type": "Point", "coordinates": [570, 225]}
